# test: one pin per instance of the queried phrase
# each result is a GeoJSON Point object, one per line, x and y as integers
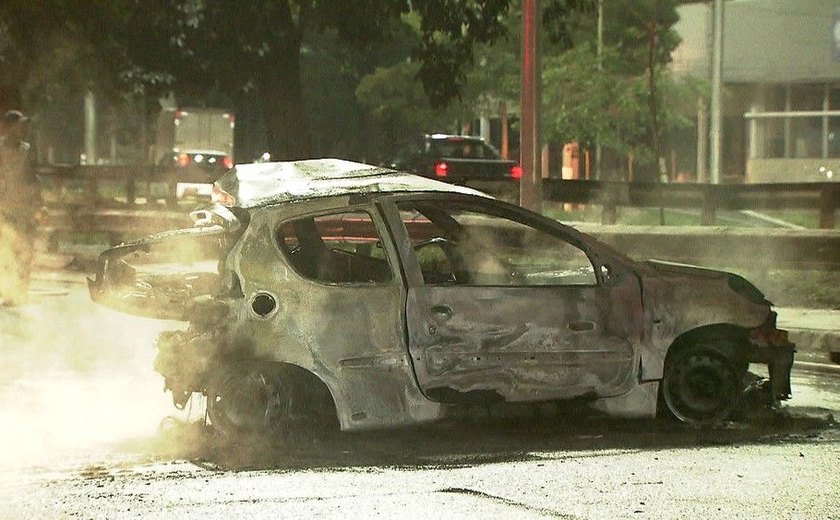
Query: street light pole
{"type": "Point", "coordinates": [716, 124]}
{"type": "Point", "coordinates": [599, 51]}
{"type": "Point", "coordinates": [530, 186]}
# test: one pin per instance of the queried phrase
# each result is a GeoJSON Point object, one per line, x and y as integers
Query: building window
{"type": "Point", "coordinates": [798, 122]}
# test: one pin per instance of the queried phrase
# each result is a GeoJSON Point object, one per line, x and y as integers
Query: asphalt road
{"type": "Point", "coordinates": [87, 432]}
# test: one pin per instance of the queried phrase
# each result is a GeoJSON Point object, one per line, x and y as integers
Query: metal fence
{"type": "Point", "coordinates": [119, 202]}
{"type": "Point", "coordinates": [708, 198]}
{"type": "Point", "coordinates": [137, 185]}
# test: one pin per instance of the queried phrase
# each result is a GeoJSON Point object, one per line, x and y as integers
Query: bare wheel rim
{"type": "Point", "coordinates": [248, 400]}
{"type": "Point", "coordinates": [700, 388]}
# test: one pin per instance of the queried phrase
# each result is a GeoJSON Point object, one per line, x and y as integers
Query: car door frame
{"type": "Point", "coordinates": [613, 274]}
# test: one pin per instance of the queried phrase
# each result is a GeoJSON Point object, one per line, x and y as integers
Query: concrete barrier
{"type": "Point", "coordinates": [759, 248]}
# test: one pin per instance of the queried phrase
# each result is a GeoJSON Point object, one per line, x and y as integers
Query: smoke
{"type": "Point", "coordinates": [16, 252]}
{"type": "Point", "coordinates": [77, 380]}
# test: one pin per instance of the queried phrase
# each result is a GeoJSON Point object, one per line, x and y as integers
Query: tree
{"type": "Point", "coordinates": [252, 50]}
{"type": "Point", "coordinates": [403, 109]}
{"type": "Point", "coordinates": [400, 107]}
{"type": "Point", "coordinates": [625, 98]}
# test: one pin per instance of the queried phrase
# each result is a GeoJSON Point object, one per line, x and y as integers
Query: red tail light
{"type": "Point", "coordinates": [516, 172]}
{"type": "Point", "coordinates": [441, 169]}
{"type": "Point", "coordinates": [227, 162]}
{"type": "Point", "coordinates": [183, 160]}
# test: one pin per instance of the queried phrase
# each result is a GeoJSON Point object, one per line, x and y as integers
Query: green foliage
{"type": "Point", "coordinates": [637, 29]}
{"type": "Point", "coordinates": [251, 51]}
{"type": "Point", "coordinates": [582, 103]}
{"type": "Point", "coordinates": [623, 102]}
{"type": "Point", "coordinates": [448, 30]}
{"type": "Point", "coordinates": [565, 21]}
{"type": "Point", "coordinates": [399, 104]}
{"type": "Point", "coordinates": [364, 75]}
{"type": "Point", "coordinates": [403, 109]}
{"type": "Point", "coordinates": [625, 99]}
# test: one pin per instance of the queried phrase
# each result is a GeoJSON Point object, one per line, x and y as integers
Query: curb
{"type": "Point", "coordinates": [825, 368]}
{"type": "Point", "coordinates": [815, 345]}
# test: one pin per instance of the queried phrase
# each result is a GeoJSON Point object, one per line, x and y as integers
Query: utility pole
{"type": "Point", "coordinates": [91, 132]}
{"type": "Point", "coordinates": [599, 51]}
{"type": "Point", "coordinates": [715, 131]}
{"type": "Point", "coordinates": [530, 186]}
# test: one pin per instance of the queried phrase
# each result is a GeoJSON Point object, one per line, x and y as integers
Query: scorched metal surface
{"type": "Point", "coordinates": [331, 289]}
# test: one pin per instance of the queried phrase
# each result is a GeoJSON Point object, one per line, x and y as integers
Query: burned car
{"type": "Point", "coordinates": [330, 289]}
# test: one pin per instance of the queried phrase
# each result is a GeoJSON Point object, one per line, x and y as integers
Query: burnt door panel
{"type": "Point", "coordinates": [506, 309]}
{"type": "Point", "coordinates": [516, 344]}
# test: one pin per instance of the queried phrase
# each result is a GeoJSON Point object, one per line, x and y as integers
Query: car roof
{"type": "Point", "coordinates": [263, 184]}
{"type": "Point", "coordinates": [453, 137]}
{"type": "Point", "coordinates": [203, 151]}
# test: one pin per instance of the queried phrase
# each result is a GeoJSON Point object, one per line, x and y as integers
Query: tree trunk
{"type": "Point", "coordinates": [653, 96]}
{"type": "Point", "coordinates": [283, 108]}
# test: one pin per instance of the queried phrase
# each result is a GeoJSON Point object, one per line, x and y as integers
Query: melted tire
{"type": "Point", "coordinates": [700, 387]}
{"type": "Point", "coordinates": [249, 401]}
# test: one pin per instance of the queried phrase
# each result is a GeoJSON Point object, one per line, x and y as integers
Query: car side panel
{"type": "Point", "coordinates": [351, 336]}
{"type": "Point", "coordinates": [522, 343]}
{"type": "Point", "coordinates": [676, 305]}
{"type": "Point", "coordinates": [518, 344]}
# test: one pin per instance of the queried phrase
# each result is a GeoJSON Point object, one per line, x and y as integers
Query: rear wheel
{"type": "Point", "coordinates": [700, 386]}
{"type": "Point", "coordinates": [249, 400]}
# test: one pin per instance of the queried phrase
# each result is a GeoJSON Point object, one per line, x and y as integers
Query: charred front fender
{"type": "Point", "coordinates": [770, 345]}
{"type": "Point", "coordinates": [684, 302]}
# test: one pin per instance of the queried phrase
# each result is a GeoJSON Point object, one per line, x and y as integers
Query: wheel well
{"type": "Point", "coordinates": [311, 396]}
{"type": "Point", "coordinates": [727, 340]}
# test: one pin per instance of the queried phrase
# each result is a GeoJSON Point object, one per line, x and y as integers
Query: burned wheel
{"type": "Point", "coordinates": [700, 386]}
{"type": "Point", "coordinates": [249, 400]}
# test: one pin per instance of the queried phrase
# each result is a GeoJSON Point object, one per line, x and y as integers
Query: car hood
{"type": "Point", "coordinates": [737, 283]}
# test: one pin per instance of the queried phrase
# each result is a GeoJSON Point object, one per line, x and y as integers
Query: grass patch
{"type": "Point", "coordinates": [591, 213]}
{"type": "Point", "coordinates": [809, 289]}
{"type": "Point", "coordinates": [808, 219]}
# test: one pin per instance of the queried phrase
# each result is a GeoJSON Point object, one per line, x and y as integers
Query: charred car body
{"type": "Point", "coordinates": [328, 288]}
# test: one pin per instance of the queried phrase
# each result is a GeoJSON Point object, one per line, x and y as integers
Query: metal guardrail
{"type": "Point", "coordinates": [77, 203]}
{"type": "Point", "coordinates": [116, 223]}
{"type": "Point", "coordinates": [709, 198]}
{"type": "Point", "coordinates": [133, 182]}
{"type": "Point", "coordinates": [754, 248]}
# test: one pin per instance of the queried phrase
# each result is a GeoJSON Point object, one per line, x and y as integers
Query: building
{"type": "Point", "coordinates": [781, 75]}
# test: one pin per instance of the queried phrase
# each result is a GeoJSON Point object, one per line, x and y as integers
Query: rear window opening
{"type": "Point", "coordinates": [463, 149]}
{"type": "Point", "coordinates": [160, 277]}
{"type": "Point", "coordinates": [338, 248]}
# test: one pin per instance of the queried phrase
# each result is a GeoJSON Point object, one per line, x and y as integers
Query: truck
{"type": "Point", "coordinates": [193, 147]}
{"type": "Point", "coordinates": [456, 159]}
